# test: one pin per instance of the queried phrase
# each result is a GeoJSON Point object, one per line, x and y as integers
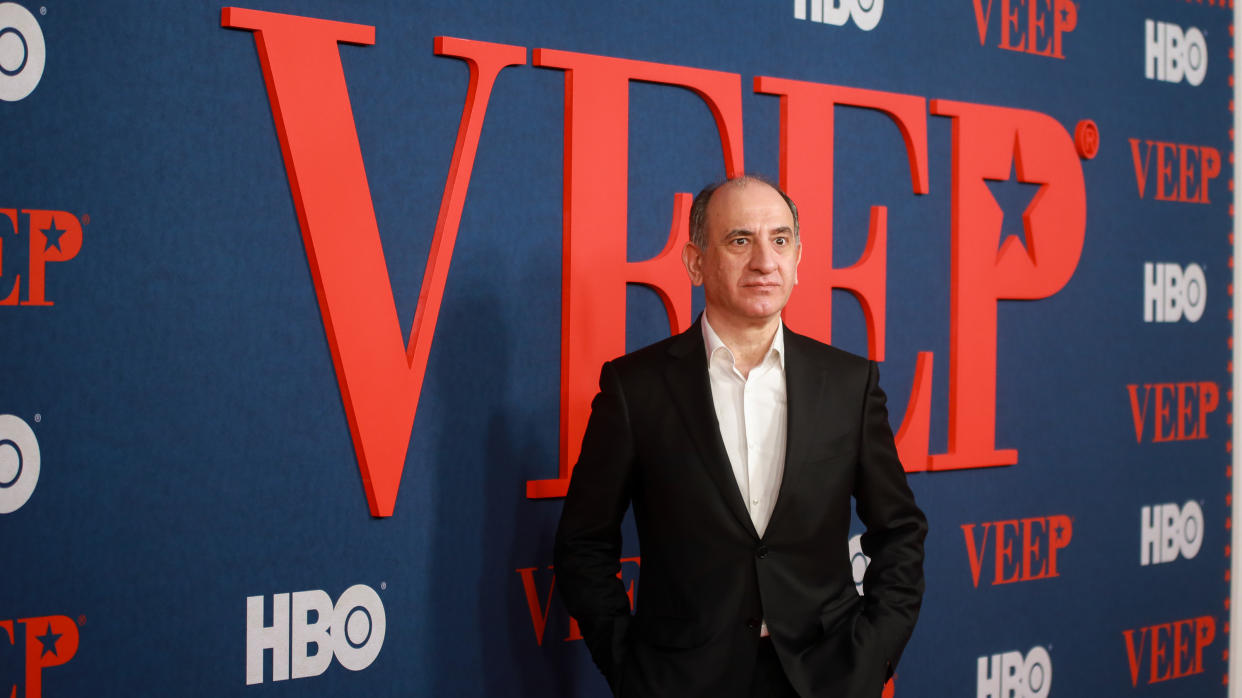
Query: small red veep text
{"type": "Point", "coordinates": [1175, 411]}
{"type": "Point", "coordinates": [1183, 171]}
{"type": "Point", "coordinates": [540, 610]}
{"type": "Point", "coordinates": [1030, 26]}
{"type": "Point", "coordinates": [1170, 650]}
{"type": "Point", "coordinates": [53, 236]}
{"type": "Point", "coordinates": [1021, 549]}
{"type": "Point", "coordinates": [39, 643]}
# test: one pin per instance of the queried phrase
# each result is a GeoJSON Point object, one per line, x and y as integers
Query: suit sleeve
{"type": "Point", "coordinates": [588, 540]}
{"type": "Point", "coordinates": [896, 527]}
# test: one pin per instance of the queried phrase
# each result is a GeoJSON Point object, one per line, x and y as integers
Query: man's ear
{"type": "Point", "coordinates": [798, 262]}
{"type": "Point", "coordinates": [692, 257]}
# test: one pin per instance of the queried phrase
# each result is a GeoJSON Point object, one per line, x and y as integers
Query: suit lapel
{"type": "Point", "coordinates": [806, 384]}
{"type": "Point", "coordinates": [691, 389]}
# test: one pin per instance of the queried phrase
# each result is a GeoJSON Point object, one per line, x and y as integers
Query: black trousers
{"type": "Point", "coordinates": [769, 680]}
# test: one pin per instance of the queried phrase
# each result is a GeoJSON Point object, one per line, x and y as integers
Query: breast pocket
{"type": "Point", "coordinates": [829, 470]}
{"type": "Point", "coordinates": [836, 447]}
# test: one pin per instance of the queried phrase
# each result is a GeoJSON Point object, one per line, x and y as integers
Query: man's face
{"type": "Point", "coordinates": [748, 264]}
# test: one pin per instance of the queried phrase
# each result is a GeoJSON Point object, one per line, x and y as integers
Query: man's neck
{"type": "Point", "coordinates": [749, 342]}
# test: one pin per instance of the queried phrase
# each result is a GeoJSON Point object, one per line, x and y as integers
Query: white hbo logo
{"type": "Point", "coordinates": [1168, 531]}
{"type": "Point", "coordinates": [866, 13]}
{"type": "Point", "coordinates": [22, 52]}
{"type": "Point", "coordinates": [1171, 293]}
{"type": "Point", "coordinates": [858, 562]}
{"type": "Point", "coordinates": [1010, 675]}
{"type": "Point", "coordinates": [352, 630]}
{"type": "Point", "coordinates": [1173, 54]}
{"type": "Point", "coordinates": [19, 463]}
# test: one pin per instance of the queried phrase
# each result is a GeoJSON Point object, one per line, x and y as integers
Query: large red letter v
{"type": "Point", "coordinates": [380, 377]}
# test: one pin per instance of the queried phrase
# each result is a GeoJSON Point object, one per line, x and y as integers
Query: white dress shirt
{"type": "Point", "coordinates": [751, 411]}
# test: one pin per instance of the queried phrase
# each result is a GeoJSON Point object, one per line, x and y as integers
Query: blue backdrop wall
{"type": "Point", "coordinates": [186, 503]}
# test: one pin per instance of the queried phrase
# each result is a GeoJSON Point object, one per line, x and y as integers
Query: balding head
{"type": "Point", "coordinates": [698, 210]}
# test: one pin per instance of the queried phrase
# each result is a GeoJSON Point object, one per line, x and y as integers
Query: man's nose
{"type": "Point", "coordinates": [763, 258]}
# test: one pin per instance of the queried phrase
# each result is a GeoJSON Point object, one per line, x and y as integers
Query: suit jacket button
{"type": "Point", "coordinates": [753, 623]}
{"type": "Point", "coordinates": [762, 552]}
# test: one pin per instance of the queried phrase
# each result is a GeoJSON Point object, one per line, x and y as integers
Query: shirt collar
{"type": "Point", "coordinates": [712, 342]}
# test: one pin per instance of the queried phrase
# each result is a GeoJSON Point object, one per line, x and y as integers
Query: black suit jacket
{"type": "Point", "coordinates": [707, 577]}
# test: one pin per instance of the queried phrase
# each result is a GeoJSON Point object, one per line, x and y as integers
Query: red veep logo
{"type": "Point", "coordinates": [1168, 650]}
{"type": "Point", "coordinates": [1021, 550]}
{"type": "Point", "coordinates": [1175, 411]}
{"type": "Point", "coordinates": [540, 605]}
{"type": "Point", "coordinates": [1030, 26]}
{"type": "Point", "coordinates": [43, 641]}
{"type": "Point", "coordinates": [54, 236]}
{"type": "Point", "coordinates": [381, 377]}
{"type": "Point", "coordinates": [1183, 172]}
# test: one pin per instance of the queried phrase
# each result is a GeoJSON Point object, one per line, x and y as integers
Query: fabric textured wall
{"type": "Point", "coordinates": [179, 469]}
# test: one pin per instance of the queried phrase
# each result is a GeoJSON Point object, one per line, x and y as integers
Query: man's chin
{"type": "Point", "coordinates": [751, 313]}
{"type": "Point", "coordinates": [763, 314]}
{"type": "Point", "coordinates": [766, 307]}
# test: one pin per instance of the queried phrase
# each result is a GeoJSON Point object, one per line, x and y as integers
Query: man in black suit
{"type": "Point", "coordinates": [739, 444]}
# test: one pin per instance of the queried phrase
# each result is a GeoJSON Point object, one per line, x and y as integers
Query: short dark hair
{"type": "Point", "coordinates": [698, 210]}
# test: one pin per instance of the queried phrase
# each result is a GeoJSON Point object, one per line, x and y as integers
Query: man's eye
{"type": "Point", "coordinates": [781, 241]}
{"type": "Point", "coordinates": [738, 242]}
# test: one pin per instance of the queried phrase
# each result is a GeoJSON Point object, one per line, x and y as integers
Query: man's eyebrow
{"type": "Point", "coordinates": [739, 231]}
{"type": "Point", "coordinates": [783, 229]}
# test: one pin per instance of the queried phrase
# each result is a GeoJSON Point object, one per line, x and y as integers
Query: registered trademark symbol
{"type": "Point", "coordinates": [1086, 139]}
{"type": "Point", "coordinates": [86, 219]}
{"type": "Point", "coordinates": [383, 586]}
{"type": "Point", "coordinates": [38, 418]}
{"type": "Point", "coordinates": [42, 10]}
{"type": "Point", "coordinates": [81, 620]}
